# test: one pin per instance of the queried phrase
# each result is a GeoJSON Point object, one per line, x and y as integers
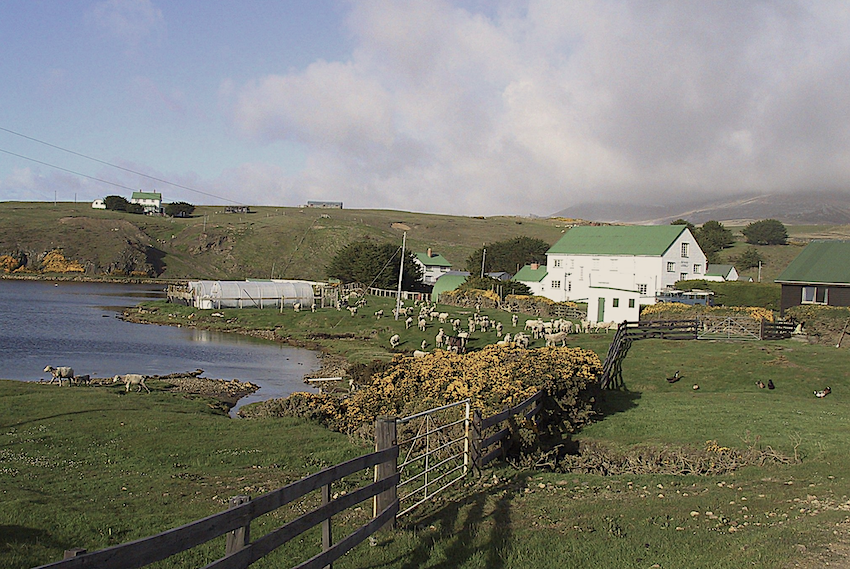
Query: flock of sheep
{"type": "Point", "coordinates": [62, 373]}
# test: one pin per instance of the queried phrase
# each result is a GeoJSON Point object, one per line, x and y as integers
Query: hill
{"type": "Point", "coordinates": [810, 208]}
{"type": "Point", "coordinates": [271, 241]}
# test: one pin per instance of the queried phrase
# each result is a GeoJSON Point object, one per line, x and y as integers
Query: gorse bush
{"type": "Point", "coordinates": [493, 378]}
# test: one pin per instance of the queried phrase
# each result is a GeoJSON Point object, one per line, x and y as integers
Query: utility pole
{"type": "Point", "coordinates": [400, 273]}
{"type": "Point", "coordinates": [759, 271]}
{"type": "Point", "coordinates": [483, 256]}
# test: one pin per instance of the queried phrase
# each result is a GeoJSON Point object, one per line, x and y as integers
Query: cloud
{"type": "Point", "coordinates": [533, 106]}
{"type": "Point", "coordinates": [129, 21]}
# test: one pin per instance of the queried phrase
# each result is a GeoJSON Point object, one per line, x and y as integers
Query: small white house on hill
{"type": "Point", "coordinates": [150, 201]}
{"type": "Point", "coordinates": [639, 260]}
{"type": "Point", "coordinates": [433, 266]}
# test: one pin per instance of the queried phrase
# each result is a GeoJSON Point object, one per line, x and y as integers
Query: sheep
{"type": "Point", "coordinates": [438, 339]}
{"type": "Point", "coordinates": [514, 320]}
{"type": "Point", "coordinates": [379, 314]}
{"type": "Point", "coordinates": [296, 307]}
{"type": "Point", "coordinates": [408, 323]}
{"type": "Point", "coordinates": [313, 307]}
{"type": "Point", "coordinates": [131, 379]}
{"type": "Point", "coordinates": [352, 310]}
{"type": "Point", "coordinates": [521, 340]}
{"type": "Point", "coordinates": [553, 339]}
{"type": "Point", "coordinates": [498, 329]}
{"type": "Point", "coordinates": [419, 354]}
{"type": "Point", "coordinates": [395, 340]}
{"type": "Point", "coordinates": [423, 324]}
{"type": "Point", "coordinates": [423, 345]}
{"type": "Point", "coordinates": [443, 317]}
{"type": "Point", "coordinates": [60, 373]}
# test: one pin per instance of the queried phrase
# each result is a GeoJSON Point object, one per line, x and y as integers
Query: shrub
{"type": "Point", "coordinates": [55, 262]}
{"type": "Point", "coordinates": [764, 295]}
{"type": "Point", "coordinates": [766, 232]}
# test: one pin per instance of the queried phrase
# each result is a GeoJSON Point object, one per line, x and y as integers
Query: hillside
{"type": "Point", "coordinates": [271, 241]}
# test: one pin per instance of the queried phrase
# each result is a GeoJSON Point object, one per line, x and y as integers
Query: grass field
{"type": "Point", "coordinates": [95, 467]}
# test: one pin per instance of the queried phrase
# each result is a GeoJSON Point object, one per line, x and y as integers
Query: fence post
{"type": "Point", "coordinates": [476, 435]}
{"type": "Point", "coordinates": [238, 538]}
{"type": "Point", "coordinates": [327, 538]}
{"type": "Point", "coordinates": [385, 437]}
{"type": "Point", "coordinates": [71, 553]}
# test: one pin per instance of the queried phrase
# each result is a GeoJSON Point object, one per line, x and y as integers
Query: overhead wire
{"type": "Point", "coordinates": [104, 162]}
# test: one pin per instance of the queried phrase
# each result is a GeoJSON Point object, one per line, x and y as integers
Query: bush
{"type": "Point", "coordinates": [179, 209]}
{"type": "Point", "coordinates": [749, 258]}
{"type": "Point", "coordinates": [764, 295]}
{"type": "Point", "coordinates": [766, 232]}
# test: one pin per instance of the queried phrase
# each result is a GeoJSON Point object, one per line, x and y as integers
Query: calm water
{"type": "Point", "coordinates": [76, 324]}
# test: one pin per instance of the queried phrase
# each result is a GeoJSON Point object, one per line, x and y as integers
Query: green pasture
{"type": "Point", "coordinates": [93, 467]}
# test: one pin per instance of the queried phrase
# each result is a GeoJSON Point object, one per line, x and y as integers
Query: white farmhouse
{"type": "Point", "coordinates": [721, 273]}
{"type": "Point", "coordinates": [633, 262]}
{"type": "Point", "coordinates": [534, 277]}
{"type": "Point", "coordinates": [433, 266]}
{"type": "Point", "coordinates": [151, 201]}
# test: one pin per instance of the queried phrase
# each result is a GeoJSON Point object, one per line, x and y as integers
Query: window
{"type": "Point", "coordinates": [595, 266]}
{"type": "Point", "coordinates": [581, 273]}
{"type": "Point", "coordinates": [614, 266]}
{"type": "Point", "coordinates": [696, 269]}
{"type": "Point", "coordinates": [631, 303]}
{"type": "Point", "coordinates": [615, 302]}
{"type": "Point", "coordinates": [557, 263]}
{"type": "Point", "coordinates": [556, 284]}
{"type": "Point", "coordinates": [642, 288]}
{"type": "Point", "coordinates": [685, 249]}
{"type": "Point", "coordinates": [569, 286]}
{"type": "Point", "coordinates": [671, 267]}
{"type": "Point", "coordinates": [815, 295]}
{"type": "Point", "coordinates": [683, 276]}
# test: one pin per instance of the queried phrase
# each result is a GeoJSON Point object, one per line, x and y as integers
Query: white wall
{"type": "Point", "coordinates": [613, 313]}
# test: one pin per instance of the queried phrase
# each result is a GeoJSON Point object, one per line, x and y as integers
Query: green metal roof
{"type": "Point", "coordinates": [648, 240]}
{"type": "Point", "coordinates": [446, 283]}
{"type": "Point", "coordinates": [435, 260]}
{"type": "Point", "coordinates": [146, 196]}
{"type": "Point", "coordinates": [820, 262]}
{"type": "Point", "coordinates": [718, 270]}
{"type": "Point", "coordinates": [529, 275]}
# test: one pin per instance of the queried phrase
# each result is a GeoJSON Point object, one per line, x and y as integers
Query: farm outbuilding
{"type": "Point", "coordinates": [250, 293]}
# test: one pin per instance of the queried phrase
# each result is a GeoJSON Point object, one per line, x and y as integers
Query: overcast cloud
{"type": "Point", "coordinates": [548, 103]}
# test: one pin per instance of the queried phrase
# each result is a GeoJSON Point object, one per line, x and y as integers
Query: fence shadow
{"type": "Point", "coordinates": [462, 523]}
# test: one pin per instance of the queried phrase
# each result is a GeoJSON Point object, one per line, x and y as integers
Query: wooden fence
{"type": "Point", "coordinates": [235, 522]}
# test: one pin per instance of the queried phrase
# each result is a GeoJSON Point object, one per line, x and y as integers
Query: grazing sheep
{"type": "Point", "coordinates": [408, 323]}
{"type": "Point", "coordinates": [395, 340]}
{"type": "Point", "coordinates": [313, 307]}
{"type": "Point", "coordinates": [424, 344]}
{"type": "Point", "coordinates": [296, 307]}
{"type": "Point", "coordinates": [438, 339]}
{"type": "Point", "coordinates": [521, 340]}
{"type": "Point", "coordinates": [379, 314]}
{"type": "Point", "coordinates": [423, 324]}
{"type": "Point", "coordinates": [419, 354]}
{"type": "Point", "coordinates": [443, 317]}
{"type": "Point", "coordinates": [823, 393]}
{"type": "Point", "coordinates": [60, 373]}
{"type": "Point", "coordinates": [498, 329]}
{"type": "Point", "coordinates": [514, 320]}
{"type": "Point", "coordinates": [553, 339]}
{"type": "Point", "coordinates": [83, 379]}
{"type": "Point", "coordinates": [131, 379]}
{"type": "Point", "coordinates": [352, 310]}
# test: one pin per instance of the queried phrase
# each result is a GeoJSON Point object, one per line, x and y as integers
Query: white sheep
{"type": "Point", "coordinates": [395, 340]}
{"type": "Point", "coordinates": [419, 354]}
{"type": "Point", "coordinates": [131, 379]}
{"type": "Point", "coordinates": [313, 307]}
{"type": "Point", "coordinates": [553, 339]}
{"type": "Point", "coordinates": [423, 345]}
{"type": "Point", "coordinates": [438, 339]}
{"type": "Point", "coordinates": [514, 320]}
{"type": "Point", "coordinates": [443, 317]}
{"type": "Point", "coordinates": [408, 322]}
{"type": "Point", "coordinates": [60, 373]}
{"type": "Point", "coordinates": [296, 307]}
{"type": "Point", "coordinates": [352, 310]}
{"type": "Point", "coordinates": [423, 324]}
{"type": "Point", "coordinates": [379, 314]}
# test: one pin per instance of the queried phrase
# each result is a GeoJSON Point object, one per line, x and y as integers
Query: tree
{"type": "Point", "coordinates": [712, 237]}
{"type": "Point", "coordinates": [681, 221]}
{"type": "Point", "coordinates": [749, 258]}
{"type": "Point", "coordinates": [766, 232]}
{"type": "Point", "coordinates": [179, 209]}
{"type": "Point", "coordinates": [118, 203]}
{"type": "Point", "coordinates": [508, 255]}
{"type": "Point", "coordinates": [375, 264]}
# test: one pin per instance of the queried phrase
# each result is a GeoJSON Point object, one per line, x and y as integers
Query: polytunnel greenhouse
{"type": "Point", "coordinates": [250, 294]}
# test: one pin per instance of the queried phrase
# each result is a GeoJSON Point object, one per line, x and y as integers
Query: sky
{"type": "Point", "coordinates": [476, 107]}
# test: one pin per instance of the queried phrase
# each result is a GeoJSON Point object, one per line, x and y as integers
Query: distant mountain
{"type": "Point", "coordinates": [813, 208]}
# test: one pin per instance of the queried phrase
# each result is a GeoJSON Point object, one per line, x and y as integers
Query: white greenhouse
{"type": "Point", "coordinates": [250, 293]}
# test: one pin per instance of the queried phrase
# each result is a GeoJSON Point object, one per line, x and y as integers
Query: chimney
{"type": "Point", "coordinates": [429, 252]}
{"type": "Point", "coordinates": [535, 266]}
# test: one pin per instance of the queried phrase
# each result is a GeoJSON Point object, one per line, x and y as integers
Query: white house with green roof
{"type": "Point", "coordinates": [533, 276]}
{"type": "Point", "coordinates": [640, 259]}
{"type": "Point", "coordinates": [433, 266]}
{"type": "Point", "coordinates": [151, 201]}
{"type": "Point", "coordinates": [716, 272]}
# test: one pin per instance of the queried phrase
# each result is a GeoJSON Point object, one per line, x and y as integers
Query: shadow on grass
{"type": "Point", "coordinates": [15, 537]}
{"type": "Point", "coordinates": [613, 401]}
{"type": "Point", "coordinates": [476, 525]}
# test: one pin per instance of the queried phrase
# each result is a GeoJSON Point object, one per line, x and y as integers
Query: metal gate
{"type": "Point", "coordinates": [728, 328]}
{"type": "Point", "coordinates": [434, 451]}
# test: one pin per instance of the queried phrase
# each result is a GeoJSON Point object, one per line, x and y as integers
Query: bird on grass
{"type": "Point", "coordinates": [760, 383]}
{"type": "Point", "coordinates": [824, 393]}
{"type": "Point", "coordinates": [673, 379]}
{"type": "Point", "coordinates": [770, 384]}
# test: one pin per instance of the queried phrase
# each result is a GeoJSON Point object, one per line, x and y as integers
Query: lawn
{"type": "Point", "coordinates": [95, 467]}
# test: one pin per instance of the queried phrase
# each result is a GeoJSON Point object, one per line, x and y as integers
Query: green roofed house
{"type": "Point", "coordinates": [721, 273]}
{"type": "Point", "coordinates": [642, 259]}
{"type": "Point", "coordinates": [820, 274]}
{"type": "Point", "coordinates": [151, 201]}
{"type": "Point", "coordinates": [532, 276]}
{"type": "Point", "coordinates": [433, 266]}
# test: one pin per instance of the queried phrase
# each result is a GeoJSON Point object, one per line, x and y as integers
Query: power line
{"type": "Point", "coordinates": [67, 170]}
{"type": "Point", "coordinates": [176, 185]}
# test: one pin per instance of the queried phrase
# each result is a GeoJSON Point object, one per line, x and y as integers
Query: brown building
{"type": "Point", "coordinates": [819, 275]}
